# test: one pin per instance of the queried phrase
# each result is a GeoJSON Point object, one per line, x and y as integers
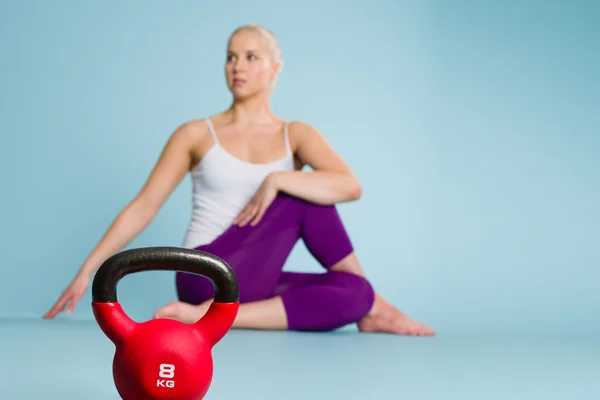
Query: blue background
{"type": "Point", "coordinates": [473, 126]}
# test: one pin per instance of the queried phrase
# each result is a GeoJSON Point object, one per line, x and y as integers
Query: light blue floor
{"type": "Point", "coordinates": [66, 360]}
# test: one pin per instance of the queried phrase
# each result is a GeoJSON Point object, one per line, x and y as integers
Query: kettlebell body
{"type": "Point", "coordinates": [164, 358]}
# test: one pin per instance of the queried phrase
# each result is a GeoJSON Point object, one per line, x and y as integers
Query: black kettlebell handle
{"type": "Point", "coordinates": [104, 286]}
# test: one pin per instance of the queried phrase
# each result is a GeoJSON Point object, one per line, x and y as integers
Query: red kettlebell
{"type": "Point", "coordinates": [164, 358]}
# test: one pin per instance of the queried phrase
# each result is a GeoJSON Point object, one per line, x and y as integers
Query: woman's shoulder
{"type": "Point", "coordinates": [199, 129]}
{"type": "Point", "coordinates": [193, 127]}
{"type": "Point", "coordinates": [302, 132]}
{"type": "Point", "coordinates": [194, 135]}
{"type": "Point", "coordinates": [298, 126]}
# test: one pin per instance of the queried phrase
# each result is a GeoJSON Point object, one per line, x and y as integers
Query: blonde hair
{"type": "Point", "coordinates": [272, 42]}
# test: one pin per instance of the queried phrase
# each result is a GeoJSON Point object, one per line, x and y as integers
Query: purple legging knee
{"type": "Point", "coordinates": [312, 301]}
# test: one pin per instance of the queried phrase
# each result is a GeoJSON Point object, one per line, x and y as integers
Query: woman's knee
{"type": "Point", "coordinates": [287, 200]}
{"type": "Point", "coordinates": [358, 295]}
{"type": "Point", "coordinates": [313, 217]}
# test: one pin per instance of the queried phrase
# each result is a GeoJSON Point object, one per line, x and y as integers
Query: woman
{"type": "Point", "coordinates": [251, 204]}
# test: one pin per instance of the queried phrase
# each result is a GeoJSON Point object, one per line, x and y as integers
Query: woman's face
{"type": "Point", "coordinates": [249, 68]}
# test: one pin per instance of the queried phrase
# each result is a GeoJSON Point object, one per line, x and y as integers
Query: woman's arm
{"type": "Point", "coordinates": [172, 166]}
{"type": "Point", "coordinates": [332, 180]}
{"type": "Point", "coordinates": [170, 169]}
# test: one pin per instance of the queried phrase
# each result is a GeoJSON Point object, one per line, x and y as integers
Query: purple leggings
{"type": "Point", "coordinates": [312, 301]}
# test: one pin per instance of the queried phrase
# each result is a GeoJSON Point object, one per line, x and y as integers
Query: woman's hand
{"type": "Point", "coordinates": [255, 209]}
{"type": "Point", "coordinates": [69, 297]}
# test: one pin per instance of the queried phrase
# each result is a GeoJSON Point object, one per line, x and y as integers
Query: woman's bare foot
{"type": "Point", "coordinates": [183, 312]}
{"type": "Point", "coordinates": [386, 318]}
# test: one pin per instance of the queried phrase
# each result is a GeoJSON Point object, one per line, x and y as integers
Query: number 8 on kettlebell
{"type": "Point", "coordinates": [164, 358]}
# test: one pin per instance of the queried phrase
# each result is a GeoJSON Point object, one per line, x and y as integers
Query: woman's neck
{"type": "Point", "coordinates": [251, 111]}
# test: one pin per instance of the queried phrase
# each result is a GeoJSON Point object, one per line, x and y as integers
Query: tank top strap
{"type": "Point", "coordinates": [286, 135]}
{"type": "Point", "coordinates": [213, 133]}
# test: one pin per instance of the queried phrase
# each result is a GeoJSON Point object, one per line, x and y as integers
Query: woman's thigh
{"type": "Point", "coordinates": [257, 254]}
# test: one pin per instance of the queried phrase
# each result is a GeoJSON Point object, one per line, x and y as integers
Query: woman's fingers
{"type": "Point", "coordinates": [247, 215]}
{"type": "Point", "coordinates": [242, 215]}
{"type": "Point", "coordinates": [258, 216]}
{"type": "Point", "coordinates": [59, 306]}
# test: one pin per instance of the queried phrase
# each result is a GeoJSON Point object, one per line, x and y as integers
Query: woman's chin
{"type": "Point", "coordinates": [244, 92]}
{"type": "Point", "coordinates": [241, 94]}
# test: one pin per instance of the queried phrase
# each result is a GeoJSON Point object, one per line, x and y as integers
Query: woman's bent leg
{"type": "Point", "coordinates": [342, 295]}
{"type": "Point", "coordinates": [271, 297]}
{"type": "Point", "coordinates": [331, 300]}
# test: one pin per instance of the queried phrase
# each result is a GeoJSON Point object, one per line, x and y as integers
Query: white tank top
{"type": "Point", "coordinates": [222, 185]}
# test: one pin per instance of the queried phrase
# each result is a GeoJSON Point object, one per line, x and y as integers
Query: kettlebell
{"type": "Point", "coordinates": [164, 358]}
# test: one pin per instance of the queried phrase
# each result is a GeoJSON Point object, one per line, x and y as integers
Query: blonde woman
{"type": "Point", "coordinates": [251, 204]}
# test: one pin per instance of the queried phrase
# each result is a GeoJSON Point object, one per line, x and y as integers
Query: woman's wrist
{"type": "Point", "coordinates": [274, 179]}
{"type": "Point", "coordinates": [86, 272]}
